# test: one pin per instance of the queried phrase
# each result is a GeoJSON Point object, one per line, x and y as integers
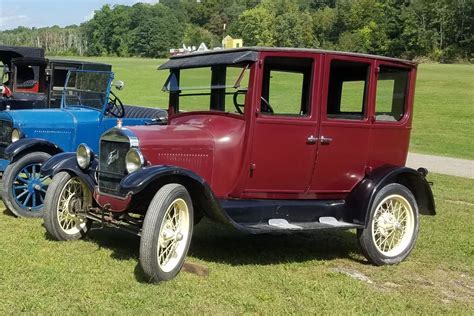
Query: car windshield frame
{"type": "Point", "coordinates": [216, 90]}
{"type": "Point", "coordinates": [71, 92]}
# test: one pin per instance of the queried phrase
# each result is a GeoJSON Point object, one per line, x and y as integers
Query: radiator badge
{"type": "Point", "coordinates": [113, 156]}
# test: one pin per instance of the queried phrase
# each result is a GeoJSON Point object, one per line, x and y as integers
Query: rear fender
{"type": "Point", "coordinates": [25, 146]}
{"type": "Point", "coordinates": [360, 200]}
{"type": "Point", "coordinates": [68, 162]}
{"type": "Point", "coordinates": [144, 183]}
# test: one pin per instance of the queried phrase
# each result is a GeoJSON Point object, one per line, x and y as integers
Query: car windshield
{"type": "Point", "coordinates": [87, 88]}
{"type": "Point", "coordinates": [216, 88]}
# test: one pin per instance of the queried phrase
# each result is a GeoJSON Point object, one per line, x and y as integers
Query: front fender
{"type": "Point", "coordinates": [68, 162]}
{"type": "Point", "coordinates": [149, 179]}
{"type": "Point", "coordinates": [26, 145]}
{"type": "Point", "coordinates": [360, 200]}
{"type": "Point", "coordinates": [139, 180]}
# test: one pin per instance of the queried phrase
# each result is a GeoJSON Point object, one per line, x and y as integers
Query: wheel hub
{"type": "Point", "coordinates": [73, 204]}
{"type": "Point", "coordinates": [34, 185]}
{"type": "Point", "coordinates": [169, 234]}
{"type": "Point", "coordinates": [387, 223]}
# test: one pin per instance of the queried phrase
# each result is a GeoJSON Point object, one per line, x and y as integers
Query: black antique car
{"type": "Point", "coordinates": [31, 81]}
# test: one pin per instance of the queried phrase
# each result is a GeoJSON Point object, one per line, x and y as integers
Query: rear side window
{"type": "Point", "coordinates": [392, 87]}
{"type": "Point", "coordinates": [347, 95]}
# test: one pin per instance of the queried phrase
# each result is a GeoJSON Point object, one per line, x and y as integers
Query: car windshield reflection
{"type": "Point", "coordinates": [87, 89]}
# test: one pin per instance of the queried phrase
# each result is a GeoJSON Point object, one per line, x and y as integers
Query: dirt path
{"type": "Point", "coordinates": [443, 165]}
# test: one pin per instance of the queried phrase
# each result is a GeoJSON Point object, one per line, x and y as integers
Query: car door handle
{"type": "Point", "coordinates": [325, 140]}
{"type": "Point", "coordinates": [311, 139]}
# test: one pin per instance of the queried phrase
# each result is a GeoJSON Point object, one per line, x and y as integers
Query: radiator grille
{"type": "Point", "coordinates": [111, 165]}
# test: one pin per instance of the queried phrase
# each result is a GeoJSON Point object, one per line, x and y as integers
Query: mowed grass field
{"type": "Point", "coordinates": [298, 274]}
{"type": "Point", "coordinates": [443, 122]}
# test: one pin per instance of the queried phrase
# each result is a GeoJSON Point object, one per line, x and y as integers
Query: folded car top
{"type": "Point", "coordinates": [7, 53]}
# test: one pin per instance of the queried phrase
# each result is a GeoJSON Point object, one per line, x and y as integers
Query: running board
{"type": "Point", "coordinates": [287, 216]}
{"type": "Point", "coordinates": [279, 225]}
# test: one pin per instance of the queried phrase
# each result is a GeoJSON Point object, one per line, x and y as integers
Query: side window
{"type": "Point", "coordinates": [347, 95]}
{"type": "Point", "coordinates": [27, 78]}
{"type": "Point", "coordinates": [392, 86]}
{"type": "Point", "coordinates": [286, 86]}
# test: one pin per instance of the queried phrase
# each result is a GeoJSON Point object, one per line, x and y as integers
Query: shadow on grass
{"type": "Point", "coordinates": [8, 213]}
{"type": "Point", "coordinates": [124, 245]}
{"type": "Point", "coordinates": [223, 244]}
{"type": "Point", "coordinates": [218, 243]}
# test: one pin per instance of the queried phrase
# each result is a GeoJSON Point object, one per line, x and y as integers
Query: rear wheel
{"type": "Point", "coordinates": [393, 226]}
{"type": "Point", "coordinates": [166, 233]}
{"type": "Point", "coordinates": [66, 203]}
{"type": "Point", "coordinates": [24, 188]}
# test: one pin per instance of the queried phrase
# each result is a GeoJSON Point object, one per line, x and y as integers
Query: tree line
{"type": "Point", "coordinates": [440, 30]}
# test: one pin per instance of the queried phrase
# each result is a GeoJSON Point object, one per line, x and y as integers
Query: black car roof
{"type": "Point", "coordinates": [30, 60]}
{"type": "Point", "coordinates": [7, 53]}
{"type": "Point", "coordinates": [87, 65]}
{"type": "Point", "coordinates": [250, 54]}
{"type": "Point", "coordinates": [84, 65]}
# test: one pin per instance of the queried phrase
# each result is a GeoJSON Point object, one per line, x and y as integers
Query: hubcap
{"type": "Point", "coordinates": [29, 187]}
{"type": "Point", "coordinates": [173, 236]}
{"type": "Point", "coordinates": [393, 225]}
{"type": "Point", "coordinates": [70, 207]}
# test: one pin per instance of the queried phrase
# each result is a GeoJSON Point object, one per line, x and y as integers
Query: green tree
{"type": "Point", "coordinates": [195, 35]}
{"type": "Point", "coordinates": [257, 27]}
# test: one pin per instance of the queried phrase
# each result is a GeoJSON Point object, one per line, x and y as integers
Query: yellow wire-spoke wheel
{"type": "Point", "coordinates": [70, 212]}
{"type": "Point", "coordinates": [166, 232]}
{"type": "Point", "coordinates": [393, 225]}
{"type": "Point", "coordinates": [173, 236]}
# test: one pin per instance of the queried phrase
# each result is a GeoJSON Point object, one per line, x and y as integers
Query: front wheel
{"type": "Point", "coordinates": [24, 188]}
{"type": "Point", "coordinates": [392, 228]}
{"type": "Point", "coordinates": [66, 203]}
{"type": "Point", "coordinates": [166, 233]}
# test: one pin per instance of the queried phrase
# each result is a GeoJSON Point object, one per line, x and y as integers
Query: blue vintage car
{"type": "Point", "coordinates": [30, 137]}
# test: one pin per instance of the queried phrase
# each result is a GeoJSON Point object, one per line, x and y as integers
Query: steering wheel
{"type": "Point", "coordinates": [238, 106]}
{"type": "Point", "coordinates": [115, 106]}
{"type": "Point", "coordinates": [267, 108]}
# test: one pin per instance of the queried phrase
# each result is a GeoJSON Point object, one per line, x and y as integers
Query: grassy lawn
{"type": "Point", "coordinates": [444, 104]}
{"type": "Point", "coordinates": [443, 123]}
{"type": "Point", "coordinates": [257, 274]}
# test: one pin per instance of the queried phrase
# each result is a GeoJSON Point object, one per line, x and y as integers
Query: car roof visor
{"type": "Point", "coordinates": [195, 60]}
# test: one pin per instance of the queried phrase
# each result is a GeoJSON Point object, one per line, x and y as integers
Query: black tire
{"type": "Point", "coordinates": [53, 209]}
{"type": "Point", "coordinates": [375, 238]}
{"type": "Point", "coordinates": [12, 197]}
{"type": "Point", "coordinates": [153, 233]}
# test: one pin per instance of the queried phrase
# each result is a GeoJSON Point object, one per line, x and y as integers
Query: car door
{"type": "Point", "coordinates": [391, 126]}
{"type": "Point", "coordinates": [283, 142]}
{"type": "Point", "coordinates": [345, 126]}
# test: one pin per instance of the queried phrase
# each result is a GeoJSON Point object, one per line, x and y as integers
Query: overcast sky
{"type": "Point", "coordinates": [40, 13]}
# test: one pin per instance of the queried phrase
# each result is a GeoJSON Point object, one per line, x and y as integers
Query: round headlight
{"type": "Point", "coordinates": [16, 135]}
{"type": "Point", "coordinates": [83, 156]}
{"type": "Point", "coordinates": [134, 160]}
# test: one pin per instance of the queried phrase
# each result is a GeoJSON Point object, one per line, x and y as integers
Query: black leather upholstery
{"type": "Point", "coordinates": [26, 84]}
{"type": "Point", "coordinates": [143, 112]}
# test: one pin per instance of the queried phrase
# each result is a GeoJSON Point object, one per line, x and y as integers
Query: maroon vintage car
{"type": "Point", "coordinates": [267, 140]}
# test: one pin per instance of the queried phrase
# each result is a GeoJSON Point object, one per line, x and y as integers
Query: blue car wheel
{"type": "Point", "coordinates": [24, 188]}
